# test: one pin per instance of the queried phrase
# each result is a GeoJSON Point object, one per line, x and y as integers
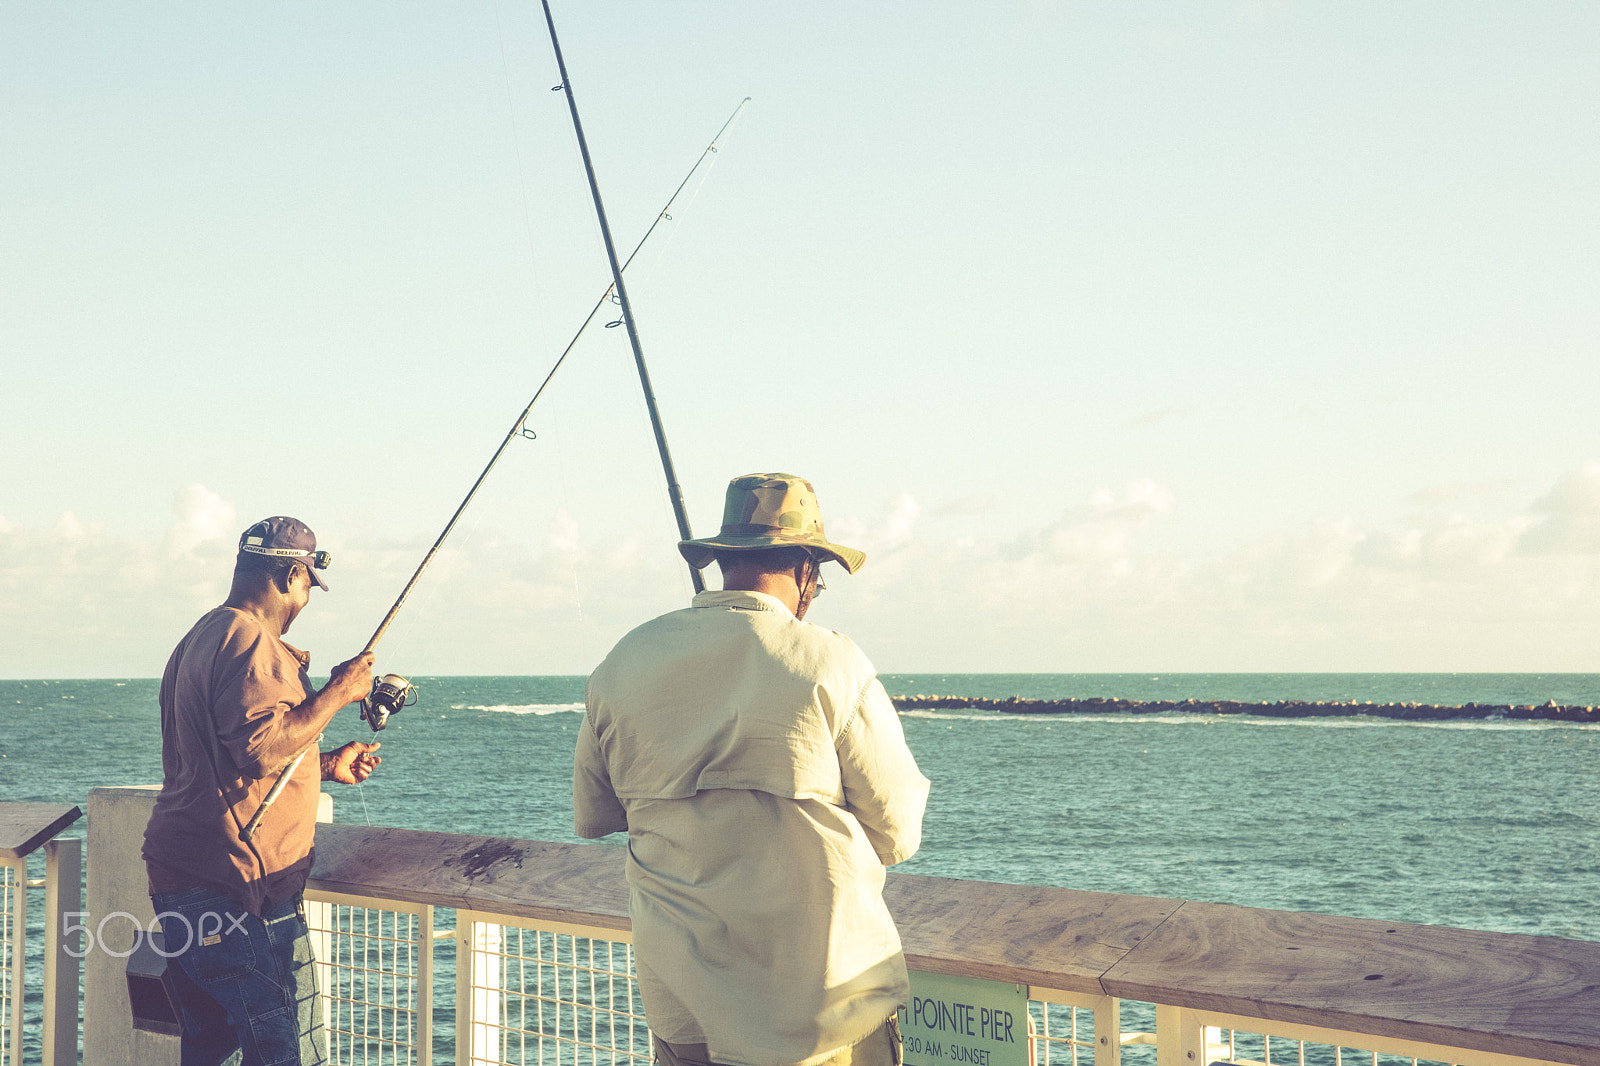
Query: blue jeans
{"type": "Point", "coordinates": [246, 985]}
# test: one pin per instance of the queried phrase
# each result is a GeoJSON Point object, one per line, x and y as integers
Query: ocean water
{"type": "Point", "coordinates": [1480, 824]}
{"type": "Point", "coordinates": [1472, 823]}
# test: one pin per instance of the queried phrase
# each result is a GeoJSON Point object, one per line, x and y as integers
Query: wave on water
{"type": "Point", "coordinates": [520, 708]}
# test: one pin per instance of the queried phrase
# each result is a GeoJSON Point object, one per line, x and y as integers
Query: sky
{"type": "Point", "coordinates": [1251, 335]}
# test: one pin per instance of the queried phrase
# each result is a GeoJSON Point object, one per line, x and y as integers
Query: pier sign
{"type": "Point", "coordinates": [962, 1021]}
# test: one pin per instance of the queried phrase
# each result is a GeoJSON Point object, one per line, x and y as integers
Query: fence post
{"type": "Point", "coordinates": [479, 947]}
{"type": "Point", "coordinates": [63, 895]}
{"type": "Point", "coordinates": [1180, 1038]}
{"type": "Point", "coordinates": [424, 948]}
{"type": "Point", "coordinates": [13, 946]}
{"type": "Point", "coordinates": [464, 930]}
{"type": "Point", "coordinates": [1108, 1032]}
{"type": "Point", "coordinates": [319, 920]}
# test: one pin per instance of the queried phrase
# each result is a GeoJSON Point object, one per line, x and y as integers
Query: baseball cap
{"type": "Point", "coordinates": [286, 538]}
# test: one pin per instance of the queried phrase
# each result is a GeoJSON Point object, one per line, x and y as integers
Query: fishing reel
{"type": "Point", "coordinates": [390, 694]}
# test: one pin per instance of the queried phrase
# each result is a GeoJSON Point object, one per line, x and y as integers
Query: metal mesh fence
{"type": "Point", "coordinates": [371, 969]}
{"type": "Point", "coordinates": [13, 880]}
{"type": "Point", "coordinates": [554, 999]}
{"type": "Point", "coordinates": [1061, 1035]}
{"type": "Point", "coordinates": [532, 996]}
{"type": "Point", "coordinates": [1242, 1048]}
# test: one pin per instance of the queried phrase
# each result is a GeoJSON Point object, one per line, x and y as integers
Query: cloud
{"type": "Point", "coordinates": [902, 520]}
{"type": "Point", "coordinates": [200, 515]}
{"type": "Point", "coordinates": [1449, 544]}
{"type": "Point", "coordinates": [1457, 491]}
{"type": "Point", "coordinates": [1105, 584]}
{"type": "Point", "coordinates": [1156, 417]}
{"type": "Point", "coordinates": [1567, 518]}
{"type": "Point", "coordinates": [892, 531]}
{"type": "Point", "coordinates": [1315, 556]}
{"type": "Point", "coordinates": [965, 505]}
{"type": "Point", "coordinates": [564, 534]}
{"type": "Point", "coordinates": [1101, 530]}
{"type": "Point", "coordinates": [1096, 589]}
{"type": "Point", "coordinates": [79, 598]}
{"type": "Point", "coordinates": [499, 602]}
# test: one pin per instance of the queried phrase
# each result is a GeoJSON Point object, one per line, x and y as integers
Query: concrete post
{"type": "Point", "coordinates": [119, 901]}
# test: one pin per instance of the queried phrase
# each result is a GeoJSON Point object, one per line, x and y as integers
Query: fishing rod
{"type": "Point", "coordinates": [674, 493]}
{"type": "Point", "coordinates": [517, 426]}
{"type": "Point", "coordinates": [392, 693]}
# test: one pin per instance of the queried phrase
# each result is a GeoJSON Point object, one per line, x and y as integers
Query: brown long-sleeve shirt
{"type": "Point", "coordinates": [223, 699]}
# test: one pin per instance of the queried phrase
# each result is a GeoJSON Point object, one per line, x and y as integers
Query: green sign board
{"type": "Point", "coordinates": [961, 1021]}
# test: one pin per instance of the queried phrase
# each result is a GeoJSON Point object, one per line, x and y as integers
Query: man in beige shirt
{"type": "Point", "coordinates": [764, 782]}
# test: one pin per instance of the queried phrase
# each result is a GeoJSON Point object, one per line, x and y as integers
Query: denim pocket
{"type": "Point", "coordinates": [223, 955]}
{"type": "Point", "coordinates": [210, 931]}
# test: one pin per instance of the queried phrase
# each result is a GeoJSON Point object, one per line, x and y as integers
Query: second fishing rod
{"type": "Point", "coordinates": [392, 692]}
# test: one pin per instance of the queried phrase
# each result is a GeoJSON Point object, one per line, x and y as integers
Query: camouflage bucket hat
{"type": "Point", "coordinates": [770, 511]}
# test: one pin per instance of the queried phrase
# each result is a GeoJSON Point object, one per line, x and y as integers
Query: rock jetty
{"type": "Point", "coordinates": [1282, 709]}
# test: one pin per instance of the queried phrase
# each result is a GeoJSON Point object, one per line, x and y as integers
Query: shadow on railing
{"type": "Point", "coordinates": [25, 828]}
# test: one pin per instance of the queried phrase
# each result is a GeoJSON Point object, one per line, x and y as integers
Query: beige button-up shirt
{"type": "Point", "coordinates": [763, 779]}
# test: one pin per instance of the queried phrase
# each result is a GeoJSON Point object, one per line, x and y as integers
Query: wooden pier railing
{"type": "Point", "coordinates": [1500, 997]}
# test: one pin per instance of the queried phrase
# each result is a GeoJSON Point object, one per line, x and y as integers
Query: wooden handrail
{"type": "Point", "coordinates": [1531, 996]}
{"type": "Point", "coordinates": [1536, 997]}
{"type": "Point", "coordinates": [570, 883]}
{"type": "Point", "coordinates": [25, 826]}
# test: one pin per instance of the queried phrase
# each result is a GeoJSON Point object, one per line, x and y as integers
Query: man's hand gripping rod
{"type": "Point", "coordinates": [389, 694]}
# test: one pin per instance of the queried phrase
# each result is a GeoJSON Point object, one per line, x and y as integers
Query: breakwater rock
{"type": "Point", "coordinates": [1281, 709]}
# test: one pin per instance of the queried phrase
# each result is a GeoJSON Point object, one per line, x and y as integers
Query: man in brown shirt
{"type": "Point", "coordinates": [236, 706]}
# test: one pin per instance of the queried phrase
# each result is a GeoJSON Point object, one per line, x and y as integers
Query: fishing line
{"type": "Point", "coordinates": [566, 496]}
{"type": "Point", "coordinates": [519, 427]}
{"type": "Point", "coordinates": [700, 185]}
{"type": "Point", "coordinates": [392, 692]}
{"type": "Point", "coordinates": [516, 142]}
{"type": "Point", "coordinates": [609, 296]}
